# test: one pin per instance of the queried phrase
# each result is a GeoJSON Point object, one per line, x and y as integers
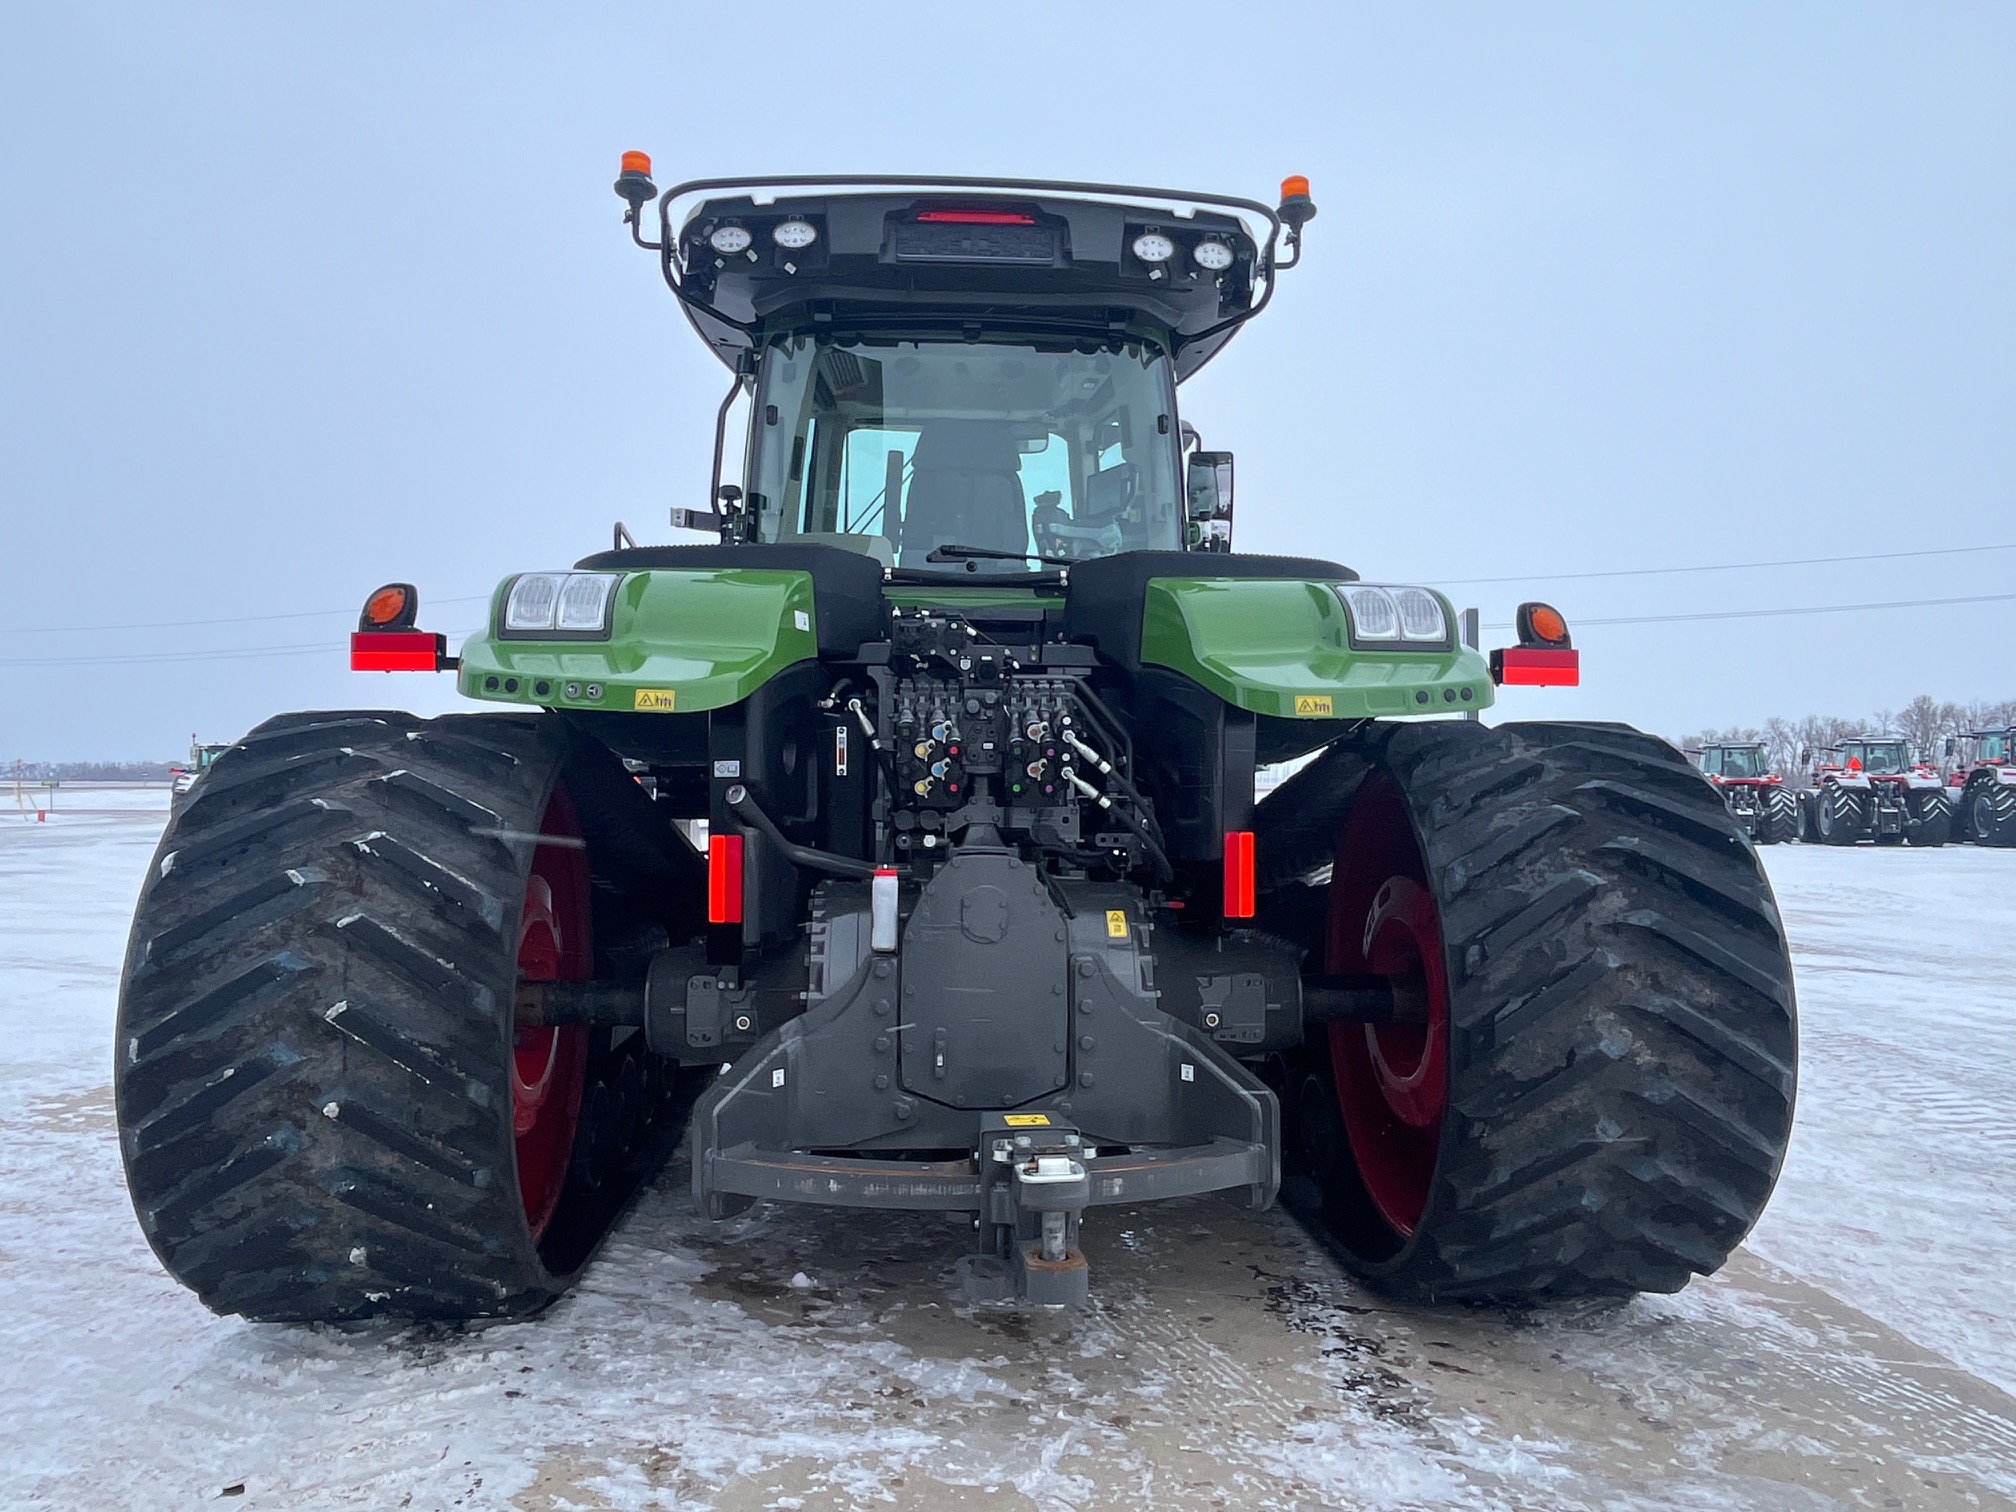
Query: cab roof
{"type": "Point", "coordinates": [972, 259]}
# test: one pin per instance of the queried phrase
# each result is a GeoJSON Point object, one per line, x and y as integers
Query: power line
{"type": "Point", "coordinates": [1550, 577]}
{"type": "Point", "coordinates": [239, 619]}
{"type": "Point", "coordinates": [1872, 556]}
{"type": "Point", "coordinates": [228, 653]}
{"type": "Point", "coordinates": [1731, 614]}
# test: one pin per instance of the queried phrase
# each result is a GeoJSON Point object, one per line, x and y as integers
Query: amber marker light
{"type": "Point", "coordinates": [1295, 186]}
{"type": "Point", "coordinates": [1543, 625]}
{"type": "Point", "coordinates": [638, 163]}
{"type": "Point", "coordinates": [393, 607]}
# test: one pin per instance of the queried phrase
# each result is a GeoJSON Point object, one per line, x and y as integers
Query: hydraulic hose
{"type": "Point", "coordinates": [745, 807]}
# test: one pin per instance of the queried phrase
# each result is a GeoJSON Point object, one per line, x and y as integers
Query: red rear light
{"type": "Point", "coordinates": [1537, 667]}
{"type": "Point", "coordinates": [724, 879]}
{"type": "Point", "coordinates": [397, 651]}
{"type": "Point", "coordinates": [1239, 874]}
{"type": "Point", "coordinates": [976, 218]}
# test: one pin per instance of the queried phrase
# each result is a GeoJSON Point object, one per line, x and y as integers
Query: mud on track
{"type": "Point", "coordinates": [797, 1358]}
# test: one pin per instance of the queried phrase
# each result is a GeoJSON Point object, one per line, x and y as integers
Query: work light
{"type": "Point", "coordinates": [1153, 247]}
{"type": "Point", "coordinates": [730, 239]}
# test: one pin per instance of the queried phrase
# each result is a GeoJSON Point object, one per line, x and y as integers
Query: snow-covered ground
{"type": "Point", "coordinates": [1858, 1353]}
{"type": "Point", "coordinates": [1900, 1191]}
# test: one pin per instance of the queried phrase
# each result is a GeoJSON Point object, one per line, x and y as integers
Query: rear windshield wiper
{"type": "Point", "coordinates": [957, 553]}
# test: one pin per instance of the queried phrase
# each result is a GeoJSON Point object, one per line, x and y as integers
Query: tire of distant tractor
{"type": "Point", "coordinates": [1840, 815]}
{"type": "Point", "coordinates": [326, 1109]}
{"type": "Point", "coordinates": [1931, 822]}
{"type": "Point", "coordinates": [1780, 818]}
{"type": "Point", "coordinates": [1590, 1088]}
{"type": "Point", "coordinates": [1991, 813]}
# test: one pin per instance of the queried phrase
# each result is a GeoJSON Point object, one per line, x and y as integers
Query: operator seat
{"type": "Point", "coordinates": [965, 489]}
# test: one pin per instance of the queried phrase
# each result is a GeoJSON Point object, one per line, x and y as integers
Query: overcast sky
{"type": "Point", "coordinates": [295, 300]}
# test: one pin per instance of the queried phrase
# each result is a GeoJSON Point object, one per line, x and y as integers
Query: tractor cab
{"type": "Point", "coordinates": [1875, 758]}
{"type": "Point", "coordinates": [1743, 762]}
{"type": "Point", "coordinates": [967, 376]}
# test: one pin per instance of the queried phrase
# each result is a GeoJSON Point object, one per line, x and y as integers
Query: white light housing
{"type": "Point", "coordinates": [573, 604]}
{"type": "Point", "coordinates": [794, 235]}
{"type": "Point", "coordinates": [1421, 617]}
{"type": "Point", "coordinates": [1400, 615]}
{"type": "Point", "coordinates": [1153, 247]}
{"type": "Point", "coordinates": [584, 601]}
{"type": "Point", "coordinates": [1374, 615]}
{"type": "Point", "coordinates": [1213, 255]}
{"type": "Point", "coordinates": [730, 239]}
{"type": "Point", "coordinates": [534, 598]}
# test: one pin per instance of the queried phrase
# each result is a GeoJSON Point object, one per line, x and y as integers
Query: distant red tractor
{"type": "Point", "coordinates": [1874, 790]}
{"type": "Point", "coordinates": [1758, 800]}
{"type": "Point", "coordinates": [1982, 788]}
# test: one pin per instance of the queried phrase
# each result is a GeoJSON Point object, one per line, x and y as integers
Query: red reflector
{"type": "Point", "coordinates": [724, 879]}
{"type": "Point", "coordinates": [397, 650]}
{"type": "Point", "coordinates": [976, 218]}
{"type": "Point", "coordinates": [1537, 667]}
{"type": "Point", "coordinates": [1239, 874]}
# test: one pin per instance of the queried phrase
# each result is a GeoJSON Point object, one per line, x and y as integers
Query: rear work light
{"type": "Point", "coordinates": [1396, 616]}
{"type": "Point", "coordinates": [558, 606]}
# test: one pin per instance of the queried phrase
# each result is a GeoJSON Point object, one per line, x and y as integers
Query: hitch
{"type": "Point", "coordinates": [1035, 1187]}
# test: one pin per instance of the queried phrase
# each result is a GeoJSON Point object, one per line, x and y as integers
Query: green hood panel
{"type": "Point", "coordinates": [679, 642]}
{"type": "Point", "coordinates": [1283, 648]}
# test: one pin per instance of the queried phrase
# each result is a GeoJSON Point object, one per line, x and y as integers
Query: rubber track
{"type": "Point", "coordinates": [314, 1029]}
{"type": "Point", "coordinates": [1623, 1037]}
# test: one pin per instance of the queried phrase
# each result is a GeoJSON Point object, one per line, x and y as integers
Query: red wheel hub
{"type": "Point", "coordinates": [1391, 1079]}
{"type": "Point", "coordinates": [549, 1065]}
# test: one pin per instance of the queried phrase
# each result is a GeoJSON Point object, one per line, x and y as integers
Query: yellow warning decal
{"type": "Point", "coordinates": [656, 700]}
{"type": "Point", "coordinates": [1026, 1120]}
{"type": "Point", "coordinates": [1312, 705]}
{"type": "Point", "coordinates": [1116, 923]}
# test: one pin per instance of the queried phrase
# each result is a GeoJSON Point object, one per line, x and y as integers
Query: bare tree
{"type": "Point", "coordinates": [1923, 724]}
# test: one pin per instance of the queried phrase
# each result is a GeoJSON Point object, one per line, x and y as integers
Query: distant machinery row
{"type": "Point", "coordinates": [1872, 788]}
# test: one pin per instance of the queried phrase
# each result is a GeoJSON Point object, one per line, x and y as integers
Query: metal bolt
{"type": "Point", "coordinates": [594, 690]}
{"type": "Point", "coordinates": [572, 690]}
{"type": "Point", "coordinates": [882, 1043]}
{"type": "Point", "coordinates": [1210, 1021]}
{"type": "Point", "coordinates": [1085, 968]}
{"type": "Point", "coordinates": [1085, 1079]}
{"type": "Point", "coordinates": [882, 1006]}
{"type": "Point", "coordinates": [881, 968]}
{"type": "Point", "coordinates": [1023, 1141]}
{"type": "Point", "coordinates": [1084, 1006]}
{"type": "Point", "coordinates": [742, 1021]}
{"type": "Point", "coordinates": [1084, 1042]}
{"type": "Point", "coordinates": [881, 1082]}
{"type": "Point", "coordinates": [903, 1109]}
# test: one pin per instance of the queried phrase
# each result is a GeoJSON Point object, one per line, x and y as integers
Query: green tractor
{"type": "Point", "coordinates": [900, 844]}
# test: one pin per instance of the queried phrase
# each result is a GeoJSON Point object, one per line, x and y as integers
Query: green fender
{"type": "Point", "coordinates": [680, 642]}
{"type": "Point", "coordinates": [1283, 648]}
